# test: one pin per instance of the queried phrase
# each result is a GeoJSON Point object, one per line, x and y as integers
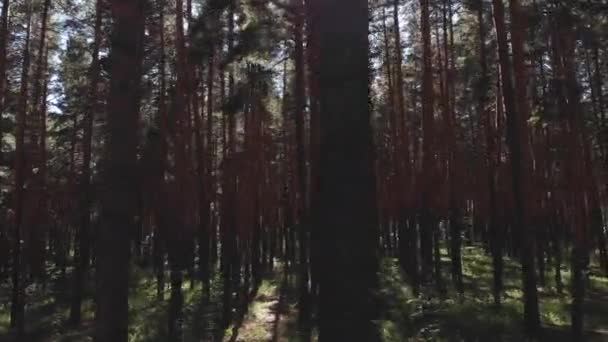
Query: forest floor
{"type": "Point", "coordinates": [270, 311]}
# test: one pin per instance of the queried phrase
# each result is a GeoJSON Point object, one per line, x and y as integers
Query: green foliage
{"type": "Point", "coordinates": [428, 317]}
{"type": "Point", "coordinates": [474, 317]}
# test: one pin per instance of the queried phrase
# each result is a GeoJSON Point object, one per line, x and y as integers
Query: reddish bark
{"type": "Point", "coordinates": [18, 291]}
{"type": "Point", "coordinates": [3, 62]}
{"type": "Point", "coordinates": [428, 128]}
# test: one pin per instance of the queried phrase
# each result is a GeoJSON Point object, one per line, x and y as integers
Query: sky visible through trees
{"type": "Point", "coordinates": [303, 170]}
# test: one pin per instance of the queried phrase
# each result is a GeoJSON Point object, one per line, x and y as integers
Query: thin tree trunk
{"type": "Point", "coordinates": [557, 253]}
{"type": "Point", "coordinates": [179, 241]}
{"type": "Point", "coordinates": [520, 162]}
{"type": "Point", "coordinates": [3, 63]}
{"type": "Point", "coordinates": [428, 163]}
{"type": "Point", "coordinates": [83, 247]}
{"type": "Point", "coordinates": [455, 220]}
{"type": "Point", "coordinates": [599, 81]}
{"type": "Point", "coordinates": [159, 202]}
{"type": "Point", "coordinates": [579, 166]}
{"type": "Point", "coordinates": [204, 229]}
{"type": "Point", "coordinates": [230, 264]}
{"type": "Point", "coordinates": [401, 154]}
{"type": "Point", "coordinates": [44, 201]}
{"type": "Point", "coordinates": [176, 303]}
{"type": "Point", "coordinates": [402, 160]}
{"type": "Point", "coordinates": [389, 78]}
{"type": "Point", "coordinates": [443, 161]}
{"type": "Point", "coordinates": [300, 103]}
{"type": "Point", "coordinates": [18, 291]}
{"type": "Point", "coordinates": [313, 55]}
{"type": "Point", "coordinates": [494, 225]}
{"type": "Point", "coordinates": [211, 150]}
{"type": "Point", "coordinates": [232, 6]}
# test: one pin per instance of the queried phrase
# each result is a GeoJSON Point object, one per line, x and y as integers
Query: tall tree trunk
{"type": "Point", "coordinates": [578, 167]}
{"type": "Point", "coordinates": [312, 56]}
{"type": "Point", "coordinates": [34, 210]}
{"type": "Point", "coordinates": [204, 231]}
{"type": "Point", "coordinates": [346, 215]}
{"type": "Point", "coordinates": [491, 160]}
{"type": "Point", "coordinates": [176, 303]}
{"type": "Point", "coordinates": [179, 240]}
{"type": "Point", "coordinates": [211, 150]}
{"type": "Point", "coordinates": [287, 219]}
{"type": "Point", "coordinates": [401, 154]}
{"type": "Point", "coordinates": [389, 79]}
{"type": "Point", "coordinates": [18, 290]}
{"type": "Point", "coordinates": [443, 160]}
{"type": "Point", "coordinates": [428, 162]}
{"type": "Point", "coordinates": [232, 7]}
{"type": "Point", "coordinates": [506, 83]}
{"type": "Point", "coordinates": [300, 103]}
{"type": "Point", "coordinates": [44, 200]}
{"type": "Point", "coordinates": [118, 203]}
{"type": "Point", "coordinates": [455, 219]}
{"type": "Point", "coordinates": [83, 247]}
{"type": "Point", "coordinates": [402, 160]}
{"type": "Point", "coordinates": [521, 167]}
{"type": "Point", "coordinates": [159, 206]}
{"type": "Point", "coordinates": [3, 63]}
{"type": "Point", "coordinates": [387, 181]}
{"type": "Point", "coordinates": [599, 82]}
{"type": "Point", "coordinates": [227, 230]}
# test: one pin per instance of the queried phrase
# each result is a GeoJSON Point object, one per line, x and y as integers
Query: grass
{"type": "Point", "coordinates": [272, 313]}
{"type": "Point", "coordinates": [474, 317]}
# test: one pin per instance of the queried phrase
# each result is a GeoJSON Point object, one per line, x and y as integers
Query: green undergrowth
{"type": "Point", "coordinates": [433, 316]}
{"type": "Point", "coordinates": [272, 315]}
{"type": "Point", "coordinates": [48, 311]}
